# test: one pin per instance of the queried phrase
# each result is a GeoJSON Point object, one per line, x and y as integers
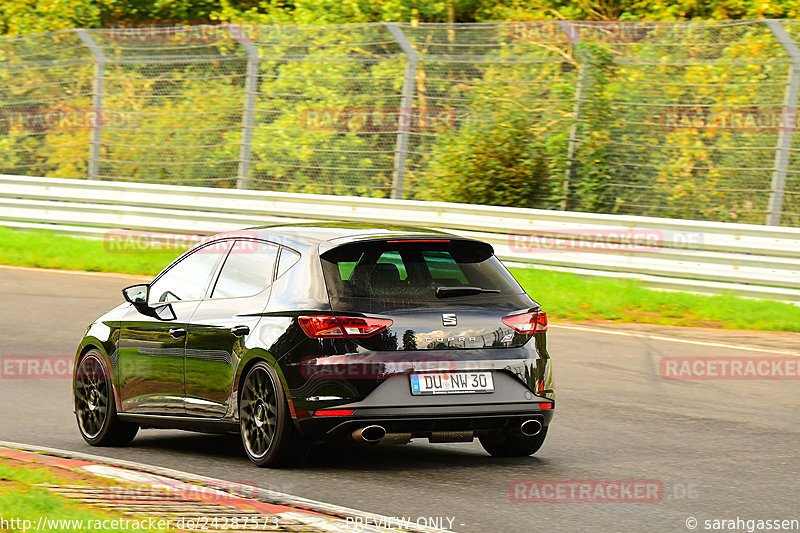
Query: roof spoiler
{"type": "Point", "coordinates": [476, 250]}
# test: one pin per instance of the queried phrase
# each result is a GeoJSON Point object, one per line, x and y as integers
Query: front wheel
{"type": "Point", "coordinates": [503, 444]}
{"type": "Point", "coordinates": [95, 408]}
{"type": "Point", "coordinates": [269, 435]}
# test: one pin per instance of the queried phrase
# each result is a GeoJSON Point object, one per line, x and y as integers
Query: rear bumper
{"type": "Point", "coordinates": [393, 406]}
{"type": "Point", "coordinates": [421, 421]}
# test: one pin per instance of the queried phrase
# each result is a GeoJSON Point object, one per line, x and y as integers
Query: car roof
{"type": "Point", "coordinates": [312, 234]}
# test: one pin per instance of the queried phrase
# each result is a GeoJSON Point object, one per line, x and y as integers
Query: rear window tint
{"type": "Point", "coordinates": [394, 258]}
{"type": "Point", "coordinates": [413, 271]}
{"type": "Point", "coordinates": [443, 267]}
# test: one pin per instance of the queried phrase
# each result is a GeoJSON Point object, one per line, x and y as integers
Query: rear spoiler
{"type": "Point", "coordinates": [474, 249]}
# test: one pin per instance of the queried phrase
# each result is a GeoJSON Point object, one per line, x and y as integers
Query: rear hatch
{"type": "Point", "coordinates": [428, 294]}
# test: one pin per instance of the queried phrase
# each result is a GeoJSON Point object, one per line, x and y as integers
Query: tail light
{"type": "Point", "coordinates": [339, 327]}
{"type": "Point", "coordinates": [418, 240]}
{"type": "Point", "coordinates": [334, 412]}
{"type": "Point", "coordinates": [527, 323]}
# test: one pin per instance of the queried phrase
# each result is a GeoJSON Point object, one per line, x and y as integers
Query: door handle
{"type": "Point", "coordinates": [177, 333]}
{"type": "Point", "coordinates": [240, 331]}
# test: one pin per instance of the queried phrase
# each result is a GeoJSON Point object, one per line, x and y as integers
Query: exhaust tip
{"type": "Point", "coordinates": [370, 434]}
{"type": "Point", "coordinates": [529, 428]}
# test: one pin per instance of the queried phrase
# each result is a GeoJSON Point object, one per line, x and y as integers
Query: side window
{"type": "Point", "coordinates": [288, 259]}
{"type": "Point", "coordinates": [188, 279]}
{"type": "Point", "coordinates": [247, 270]}
{"type": "Point", "coordinates": [443, 268]}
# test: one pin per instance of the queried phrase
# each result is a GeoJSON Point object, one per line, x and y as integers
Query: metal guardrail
{"type": "Point", "coordinates": [759, 261]}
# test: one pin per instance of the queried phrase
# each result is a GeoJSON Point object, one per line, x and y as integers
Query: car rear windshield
{"type": "Point", "coordinates": [416, 270]}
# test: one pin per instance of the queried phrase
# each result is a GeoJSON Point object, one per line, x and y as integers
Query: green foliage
{"type": "Point", "coordinates": [177, 122]}
{"type": "Point", "coordinates": [508, 146]}
{"type": "Point", "coordinates": [26, 16]}
{"type": "Point", "coordinates": [502, 161]}
{"type": "Point", "coordinates": [588, 188]}
{"type": "Point", "coordinates": [641, 9]}
{"type": "Point", "coordinates": [27, 475]}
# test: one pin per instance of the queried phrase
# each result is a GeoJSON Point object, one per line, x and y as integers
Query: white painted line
{"type": "Point", "coordinates": [674, 339]}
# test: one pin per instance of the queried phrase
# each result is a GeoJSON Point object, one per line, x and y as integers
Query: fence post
{"type": "Point", "coordinates": [574, 37]}
{"type": "Point", "coordinates": [97, 102]}
{"type": "Point", "coordinates": [788, 122]}
{"type": "Point", "coordinates": [248, 120]}
{"type": "Point", "coordinates": [406, 112]}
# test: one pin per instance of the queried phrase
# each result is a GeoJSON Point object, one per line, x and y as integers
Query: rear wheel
{"type": "Point", "coordinates": [95, 408]}
{"type": "Point", "coordinates": [269, 435]}
{"type": "Point", "coordinates": [504, 444]}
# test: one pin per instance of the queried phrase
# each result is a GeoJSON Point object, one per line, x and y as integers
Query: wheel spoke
{"type": "Point", "coordinates": [247, 405]}
{"type": "Point", "coordinates": [258, 412]}
{"type": "Point", "coordinates": [91, 396]}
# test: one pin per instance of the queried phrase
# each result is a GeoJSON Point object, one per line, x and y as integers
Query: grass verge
{"type": "Point", "coordinates": [46, 249]}
{"type": "Point", "coordinates": [572, 297]}
{"type": "Point", "coordinates": [564, 296]}
{"type": "Point", "coordinates": [24, 502]}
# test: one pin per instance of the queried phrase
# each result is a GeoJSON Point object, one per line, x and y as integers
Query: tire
{"type": "Point", "coordinates": [269, 435]}
{"type": "Point", "coordinates": [95, 408]}
{"type": "Point", "coordinates": [503, 444]}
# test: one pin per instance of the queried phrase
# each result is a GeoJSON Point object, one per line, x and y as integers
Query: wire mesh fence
{"type": "Point", "coordinates": [693, 119]}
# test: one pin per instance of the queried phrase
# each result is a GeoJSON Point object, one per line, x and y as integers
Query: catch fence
{"type": "Point", "coordinates": [691, 120]}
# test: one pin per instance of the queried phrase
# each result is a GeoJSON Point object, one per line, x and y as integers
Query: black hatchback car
{"type": "Point", "coordinates": [294, 334]}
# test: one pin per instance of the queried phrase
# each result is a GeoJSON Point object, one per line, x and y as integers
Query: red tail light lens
{"type": "Point", "coordinates": [545, 406]}
{"type": "Point", "coordinates": [334, 412]}
{"type": "Point", "coordinates": [339, 327]}
{"type": "Point", "coordinates": [418, 240]}
{"type": "Point", "coordinates": [527, 323]}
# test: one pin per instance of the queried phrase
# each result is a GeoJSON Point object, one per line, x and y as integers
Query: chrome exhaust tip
{"type": "Point", "coordinates": [529, 428]}
{"type": "Point", "coordinates": [371, 434]}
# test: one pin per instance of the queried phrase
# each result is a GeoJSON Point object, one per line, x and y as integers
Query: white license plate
{"type": "Point", "coordinates": [451, 383]}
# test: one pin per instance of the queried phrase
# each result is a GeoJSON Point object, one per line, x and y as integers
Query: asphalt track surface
{"type": "Point", "coordinates": [721, 449]}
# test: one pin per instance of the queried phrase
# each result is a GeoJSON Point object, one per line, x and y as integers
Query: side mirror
{"type": "Point", "coordinates": [138, 295]}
